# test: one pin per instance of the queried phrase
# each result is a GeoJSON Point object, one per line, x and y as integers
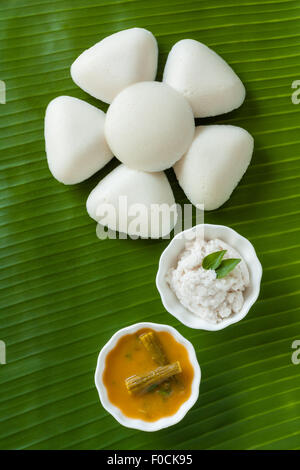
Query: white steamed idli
{"type": "Point", "coordinates": [119, 60]}
{"type": "Point", "coordinates": [124, 201]}
{"type": "Point", "coordinates": [204, 78]}
{"type": "Point", "coordinates": [149, 126]}
{"type": "Point", "coordinates": [214, 164]}
{"type": "Point", "coordinates": [75, 144]}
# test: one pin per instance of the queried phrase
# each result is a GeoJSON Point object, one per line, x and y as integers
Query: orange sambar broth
{"type": "Point", "coordinates": [129, 357]}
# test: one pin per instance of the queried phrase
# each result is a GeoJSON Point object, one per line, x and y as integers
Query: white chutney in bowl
{"type": "Point", "coordinates": [196, 296]}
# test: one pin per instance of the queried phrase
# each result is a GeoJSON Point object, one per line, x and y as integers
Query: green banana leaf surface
{"type": "Point", "coordinates": [64, 292]}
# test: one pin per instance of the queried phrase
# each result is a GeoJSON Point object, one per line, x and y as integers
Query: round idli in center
{"type": "Point", "coordinates": [149, 126]}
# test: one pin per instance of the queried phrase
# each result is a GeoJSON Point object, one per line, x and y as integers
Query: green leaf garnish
{"type": "Point", "coordinates": [222, 267]}
{"type": "Point", "coordinates": [213, 260]}
{"type": "Point", "coordinates": [165, 392]}
{"type": "Point", "coordinates": [226, 266]}
{"type": "Point", "coordinates": [151, 388]}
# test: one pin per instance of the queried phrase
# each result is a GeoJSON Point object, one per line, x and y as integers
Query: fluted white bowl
{"type": "Point", "coordinates": [169, 259]}
{"type": "Point", "coordinates": [138, 423]}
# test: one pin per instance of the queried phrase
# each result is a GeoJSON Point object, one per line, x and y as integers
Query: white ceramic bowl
{"type": "Point", "coordinates": [168, 259]}
{"type": "Point", "coordinates": [138, 423]}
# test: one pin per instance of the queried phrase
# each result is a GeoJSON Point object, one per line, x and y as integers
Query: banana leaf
{"type": "Point", "coordinates": [63, 292]}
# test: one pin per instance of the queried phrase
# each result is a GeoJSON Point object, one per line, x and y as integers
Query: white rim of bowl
{"type": "Point", "coordinates": [161, 284]}
{"type": "Point", "coordinates": [161, 423]}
